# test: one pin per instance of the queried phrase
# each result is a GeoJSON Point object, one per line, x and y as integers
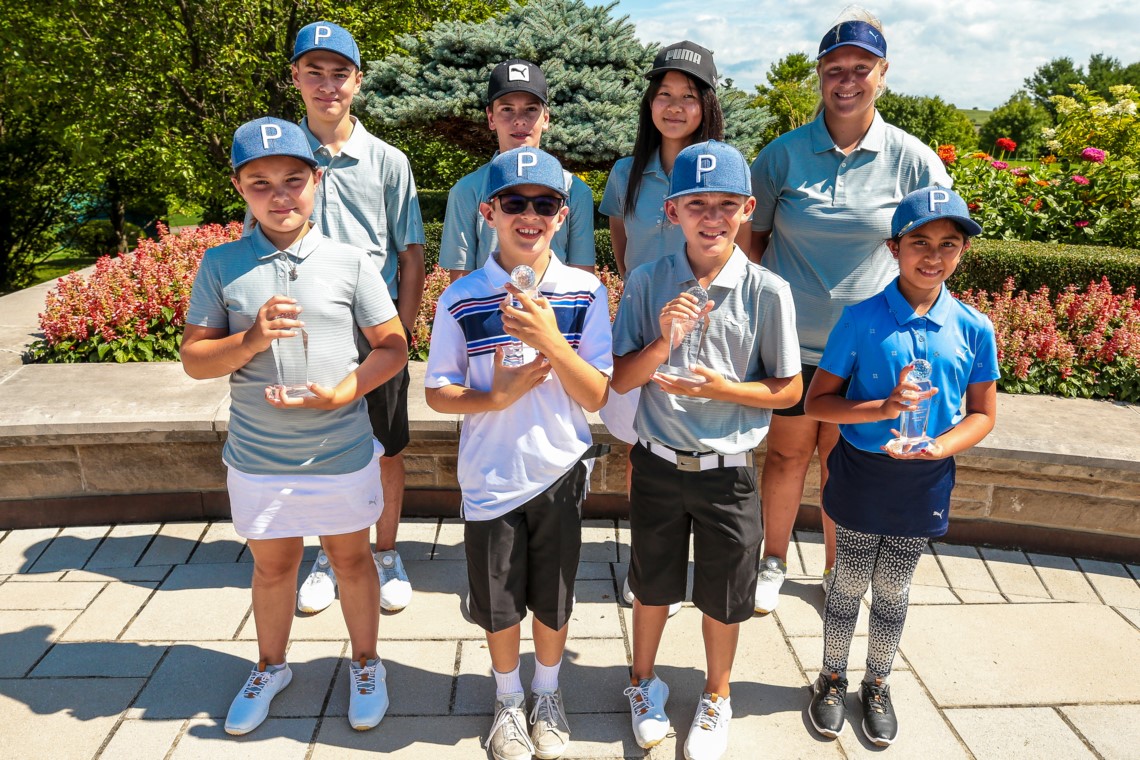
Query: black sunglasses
{"type": "Point", "coordinates": [543, 205]}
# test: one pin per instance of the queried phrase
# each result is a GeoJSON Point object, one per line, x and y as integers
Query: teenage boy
{"type": "Point", "coordinates": [518, 114]}
{"type": "Point", "coordinates": [367, 198]}
{"type": "Point", "coordinates": [525, 437]}
{"type": "Point", "coordinates": [692, 467]}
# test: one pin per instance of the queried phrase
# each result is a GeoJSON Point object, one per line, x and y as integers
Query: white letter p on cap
{"type": "Point", "coordinates": [706, 162]}
{"type": "Point", "coordinates": [526, 160]}
{"type": "Point", "coordinates": [936, 197]}
{"type": "Point", "coordinates": [321, 33]}
{"type": "Point", "coordinates": [269, 132]}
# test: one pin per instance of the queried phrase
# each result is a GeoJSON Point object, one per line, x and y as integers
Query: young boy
{"type": "Point", "coordinates": [886, 504]}
{"type": "Point", "coordinates": [517, 113]}
{"type": "Point", "coordinates": [525, 437]}
{"type": "Point", "coordinates": [367, 199]}
{"type": "Point", "coordinates": [692, 467]}
{"type": "Point", "coordinates": [298, 465]}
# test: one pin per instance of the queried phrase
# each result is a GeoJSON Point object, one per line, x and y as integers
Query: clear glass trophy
{"type": "Point", "coordinates": [523, 278]}
{"type": "Point", "coordinates": [292, 355]}
{"type": "Point", "coordinates": [685, 339]}
{"type": "Point", "coordinates": [912, 422]}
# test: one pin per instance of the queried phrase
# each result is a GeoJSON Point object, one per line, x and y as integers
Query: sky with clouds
{"type": "Point", "coordinates": [972, 53]}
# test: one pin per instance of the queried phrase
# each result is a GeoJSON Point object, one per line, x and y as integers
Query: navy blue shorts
{"type": "Point", "coordinates": [873, 493]}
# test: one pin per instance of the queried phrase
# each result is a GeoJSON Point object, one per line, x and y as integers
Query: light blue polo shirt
{"type": "Point", "coordinates": [830, 214]}
{"type": "Point", "coordinates": [468, 240]}
{"type": "Point", "coordinates": [339, 288]}
{"type": "Point", "coordinates": [875, 339]}
{"type": "Point", "coordinates": [649, 233]}
{"type": "Point", "coordinates": [367, 198]}
{"type": "Point", "coordinates": [751, 336]}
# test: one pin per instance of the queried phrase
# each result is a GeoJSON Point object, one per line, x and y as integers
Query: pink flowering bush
{"type": "Point", "coordinates": [437, 282]}
{"type": "Point", "coordinates": [1080, 343]}
{"type": "Point", "coordinates": [132, 307]}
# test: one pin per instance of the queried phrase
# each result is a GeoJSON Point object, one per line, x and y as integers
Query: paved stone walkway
{"type": "Point", "coordinates": [129, 641]}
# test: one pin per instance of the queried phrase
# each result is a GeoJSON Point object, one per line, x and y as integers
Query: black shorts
{"type": "Point", "coordinates": [528, 558]}
{"type": "Point", "coordinates": [808, 372]}
{"type": "Point", "coordinates": [388, 412]}
{"type": "Point", "coordinates": [721, 509]}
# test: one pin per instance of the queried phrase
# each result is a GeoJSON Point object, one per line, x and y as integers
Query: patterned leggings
{"type": "Point", "coordinates": [887, 563]}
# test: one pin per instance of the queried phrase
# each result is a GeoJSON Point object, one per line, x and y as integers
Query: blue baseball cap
{"type": "Point", "coordinates": [268, 136]}
{"type": "Point", "coordinates": [930, 204]}
{"type": "Point", "coordinates": [524, 166]}
{"type": "Point", "coordinates": [325, 35]}
{"type": "Point", "coordinates": [857, 33]}
{"type": "Point", "coordinates": [709, 167]}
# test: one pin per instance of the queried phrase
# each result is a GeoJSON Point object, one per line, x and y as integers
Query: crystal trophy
{"type": "Point", "coordinates": [685, 338]}
{"type": "Point", "coordinates": [292, 355]}
{"type": "Point", "coordinates": [523, 278]}
{"type": "Point", "coordinates": [912, 421]}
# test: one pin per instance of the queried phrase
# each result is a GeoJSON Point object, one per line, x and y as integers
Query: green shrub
{"type": "Point", "coordinates": [433, 231]}
{"type": "Point", "coordinates": [604, 250]}
{"type": "Point", "coordinates": [988, 264]}
{"type": "Point", "coordinates": [96, 237]}
{"type": "Point", "coordinates": [433, 204]}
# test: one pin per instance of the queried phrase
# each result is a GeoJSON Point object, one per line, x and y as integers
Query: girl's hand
{"type": "Point", "coordinates": [683, 306]}
{"type": "Point", "coordinates": [904, 396]}
{"type": "Point", "coordinates": [322, 398]}
{"type": "Point", "coordinates": [929, 450]}
{"type": "Point", "coordinates": [277, 318]}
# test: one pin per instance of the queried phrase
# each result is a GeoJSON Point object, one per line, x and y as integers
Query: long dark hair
{"type": "Point", "coordinates": [649, 139]}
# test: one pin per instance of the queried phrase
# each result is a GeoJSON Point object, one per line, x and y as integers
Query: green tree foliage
{"type": "Point", "coordinates": [593, 63]}
{"type": "Point", "coordinates": [931, 120]}
{"type": "Point", "coordinates": [1021, 120]}
{"type": "Point", "coordinates": [1058, 76]}
{"type": "Point", "coordinates": [791, 94]}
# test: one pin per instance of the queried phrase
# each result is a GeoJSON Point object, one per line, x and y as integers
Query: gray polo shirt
{"type": "Point", "coordinates": [649, 233]}
{"type": "Point", "coordinates": [468, 240]}
{"type": "Point", "coordinates": [339, 289]}
{"type": "Point", "coordinates": [830, 214]}
{"type": "Point", "coordinates": [367, 198]}
{"type": "Point", "coordinates": [751, 336]}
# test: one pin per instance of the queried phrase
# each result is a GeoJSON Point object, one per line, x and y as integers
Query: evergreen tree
{"type": "Point", "coordinates": [593, 63]}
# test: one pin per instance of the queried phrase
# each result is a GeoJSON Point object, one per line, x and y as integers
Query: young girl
{"type": "Point", "coordinates": [678, 109]}
{"type": "Point", "coordinates": [887, 505]}
{"type": "Point", "coordinates": [300, 463]}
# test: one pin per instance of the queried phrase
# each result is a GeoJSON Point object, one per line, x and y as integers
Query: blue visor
{"type": "Point", "coordinates": [857, 33]}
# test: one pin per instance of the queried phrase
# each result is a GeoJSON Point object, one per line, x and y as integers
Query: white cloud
{"type": "Point", "coordinates": [973, 54]}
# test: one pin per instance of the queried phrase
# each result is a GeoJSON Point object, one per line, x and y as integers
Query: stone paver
{"type": "Point", "coordinates": [1004, 655]}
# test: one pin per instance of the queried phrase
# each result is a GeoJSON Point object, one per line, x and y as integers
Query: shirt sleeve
{"type": "Point", "coordinates": [447, 352]}
{"type": "Point", "coordinates": [580, 243]}
{"type": "Point", "coordinates": [460, 241]}
{"type": "Point", "coordinates": [765, 189]}
{"type": "Point", "coordinates": [840, 353]}
{"type": "Point", "coordinates": [613, 199]}
{"type": "Point", "coordinates": [371, 304]}
{"type": "Point", "coordinates": [985, 367]}
{"type": "Point", "coordinates": [207, 301]}
{"type": "Point", "coordinates": [929, 169]}
{"type": "Point", "coordinates": [401, 204]}
{"type": "Point", "coordinates": [779, 342]}
{"type": "Point", "coordinates": [629, 323]}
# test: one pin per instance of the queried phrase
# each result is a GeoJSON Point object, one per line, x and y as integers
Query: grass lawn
{"type": "Point", "coordinates": [59, 264]}
{"type": "Point", "coordinates": [976, 115]}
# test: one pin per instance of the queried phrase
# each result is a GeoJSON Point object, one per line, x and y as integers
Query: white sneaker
{"type": "Point", "coordinates": [549, 729]}
{"type": "Point", "coordinates": [508, 739]}
{"type": "Point", "coordinates": [319, 589]}
{"type": "Point", "coordinates": [368, 694]}
{"type": "Point", "coordinates": [627, 595]}
{"type": "Point", "coordinates": [395, 588]}
{"type": "Point", "coordinates": [768, 582]}
{"type": "Point", "coordinates": [708, 736]}
{"type": "Point", "coordinates": [647, 710]}
{"type": "Point", "coordinates": [251, 705]}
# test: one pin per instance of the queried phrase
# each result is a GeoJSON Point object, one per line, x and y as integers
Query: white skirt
{"type": "Point", "coordinates": [618, 414]}
{"type": "Point", "coordinates": [291, 506]}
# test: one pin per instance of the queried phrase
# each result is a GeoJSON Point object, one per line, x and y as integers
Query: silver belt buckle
{"type": "Point", "coordinates": [686, 463]}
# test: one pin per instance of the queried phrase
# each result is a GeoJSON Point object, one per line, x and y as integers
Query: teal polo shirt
{"type": "Point", "coordinates": [751, 336]}
{"type": "Point", "coordinates": [875, 339]}
{"type": "Point", "coordinates": [830, 215]}
{"type": "Point", "coordinates": [649, 233]}
{"type": "Point", "coordinates": [468, 240]}
{"type": "Point", "coordinates": [339, 288]}
{"type": "Point", "coordinates": [367, 199]}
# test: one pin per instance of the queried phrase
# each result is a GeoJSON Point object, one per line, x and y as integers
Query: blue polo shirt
{"type": "Point", "coordinates": [649, 233]}
{"type": "Point", "coordinates": [875, 339]}
{"type": "Point", "coordinates": [829, 214]}
{"type": "Point", "coordinates": [468, 240]}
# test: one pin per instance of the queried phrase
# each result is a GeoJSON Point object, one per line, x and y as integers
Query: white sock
{"type": "Point", "coordinates": [507, 683]}
{"type": "Point", "coordinates": [545, 676]}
